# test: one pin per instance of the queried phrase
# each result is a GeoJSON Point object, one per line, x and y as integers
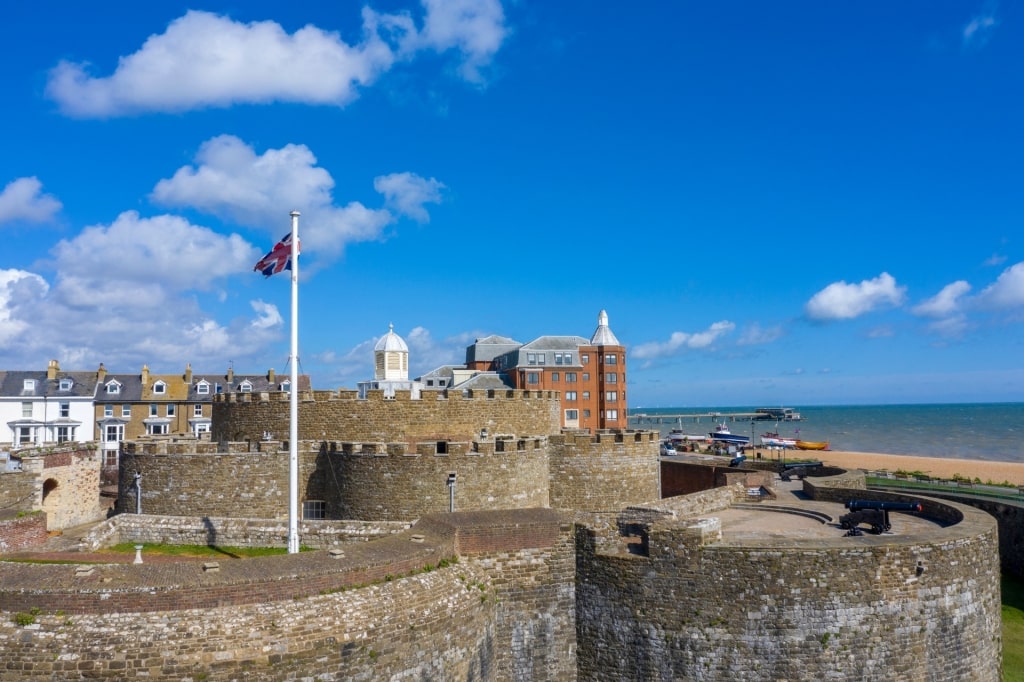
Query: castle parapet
{"type": "Point", "coordinates": [606, 471]}
{"type": "Point", "coordinates": [344, 416]}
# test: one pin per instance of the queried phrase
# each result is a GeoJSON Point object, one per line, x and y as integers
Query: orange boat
{"type": "Point", "coordinates": [811, 445]}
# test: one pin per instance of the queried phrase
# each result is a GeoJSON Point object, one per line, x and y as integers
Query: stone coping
{"type": "Point", "coordinates": [173, 586]}
{"type": "Point", "coordinates": [971, 523]}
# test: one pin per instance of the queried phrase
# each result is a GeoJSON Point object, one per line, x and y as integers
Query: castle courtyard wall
{"type": "Point", "coordinates": [63, 482]}
{"type": "Point", "coordinates": [700, 607]}
{"type": "Point", "coordinates": [404, 607]}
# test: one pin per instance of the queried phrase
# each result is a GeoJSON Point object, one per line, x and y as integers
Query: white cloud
{"type": "Point", "coordinates": [842, 301]}
{"type": "Point", "coordinates": [425, 354]}
{"type": "Point", "coordinates": [18, 286]}
{"type": "Point", "coordinates": [231, 181]}
{"type": "Point", "coordinates": [139, 252]}
{"type": "Point", "coordinates": [269, 316]}
{"type": "Point", "coordinates": [428, 354]}
{"type": "Point", "coordinates": [475, 27]}
{"type": "Point", "coordinates": [22, 199]}
{"type": "Point", "coordinates": [995, 259]}
{"type": "Point", "coordinates": [206, 60]}
{"type": "Point", "coordinates": [680, 341]}
{"type": "Point", "coordinates": [944, 303]}
{"type": "Point", "coordinates": [979, 30]}
{"type": "Point", "coordinates": [952, 326]}
{"type": "Point", "coordinates": [756, 335]}
{"type": "Point", "coordinates": [407, 192]}
{"type": "Point", "coordinates": [128, 293]}
{"type": "Point", "coordinates": [1007, 291]}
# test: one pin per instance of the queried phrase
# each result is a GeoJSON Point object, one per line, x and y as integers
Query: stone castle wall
{"type": "Point", "coordinates": [19, 490]}
{"type": "Point", "coordinates": [61, 481]}
{"type": "Point", "coordinates": [1010, 518]}
{"type": "Point", "coordinates": [403, 607]}
{"type": "Point", "coordinates": [917, 607]}
{"type": "Point", "coordinates": [380, 483]}
{"type": "Point", "coordinates": [604, 472]}
{"type": "Point", "coordinates": [230, 532]}
{"type": "Point", "coordinates": [343, 416]}
{"type": "Point", "coordinates": [188, 477]}
{"type": "Point", "coordinates": [21, 532]}
{"type": "Point", "coordinates": [364, 481]}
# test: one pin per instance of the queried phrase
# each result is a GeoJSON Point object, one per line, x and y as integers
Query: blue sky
{"type": "Point", "coordinates": [777, 203]}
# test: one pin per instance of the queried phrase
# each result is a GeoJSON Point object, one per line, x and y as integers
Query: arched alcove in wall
{"type": "Point", "coordinates": [49, 486]}
{"type": "Point", "coordinates": [51, 502]}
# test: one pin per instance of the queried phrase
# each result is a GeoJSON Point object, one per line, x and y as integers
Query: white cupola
{"type": "Point", "coordinates": [391, 357]}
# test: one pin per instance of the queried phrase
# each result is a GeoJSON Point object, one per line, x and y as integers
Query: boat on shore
{"type": "Point", "coordinates": [773, 440]}
{"type": "Point", "coordinates": [676, 436]}
{"type": "Point", "coordinates": [812, 445]}
{"type": "Point", "coordinates": [722, 434]}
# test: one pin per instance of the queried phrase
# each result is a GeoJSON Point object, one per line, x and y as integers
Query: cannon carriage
{"type": "Point", "coordinates": [873, 513]}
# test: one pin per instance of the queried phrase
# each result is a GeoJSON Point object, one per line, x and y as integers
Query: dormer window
{"type": "Point", "coordinates": [203, 387]}
{"type": "Point", "coordinates": [286, 386]}
{"type": "Point", "coordinates": [29, 385]}
{"type": "Point", "coordinates": [245, 387]}
{"type": "Point", "coordinates": [113, 388]}
{"type": "Point", "coordinates": [159, 388]}
{"type": "Point", "coordinates": [66, 384]}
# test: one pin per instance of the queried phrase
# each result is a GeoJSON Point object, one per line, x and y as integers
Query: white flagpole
{"type": "Point", "coordinates": [293, 433]}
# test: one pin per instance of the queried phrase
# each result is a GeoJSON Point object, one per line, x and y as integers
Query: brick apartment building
{"type": "Point", "coordinates": [589, 373]}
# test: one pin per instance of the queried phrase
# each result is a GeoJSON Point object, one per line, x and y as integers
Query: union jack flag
{"type": "Point", "coordinates": [279, 258]}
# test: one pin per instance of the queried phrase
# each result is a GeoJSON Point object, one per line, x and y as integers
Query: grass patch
{"type": "Point", "coordinates": [200, 551]}
{"type": "Point", "coordinates": [1013, 629]}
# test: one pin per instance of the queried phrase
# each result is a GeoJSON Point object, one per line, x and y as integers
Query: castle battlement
{"type": "Point", "coordinates": [379, 396]}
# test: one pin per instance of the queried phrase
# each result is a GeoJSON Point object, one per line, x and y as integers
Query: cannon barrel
{"type": "Point", "coordinates": [793, 465]}
{"type": "Point", "coordinates": [855, 505]}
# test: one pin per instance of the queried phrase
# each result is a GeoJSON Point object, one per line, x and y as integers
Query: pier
{"type": "Point", "coordinates": [780, 414]}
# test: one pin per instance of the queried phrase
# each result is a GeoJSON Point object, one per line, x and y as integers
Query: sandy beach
{"type": "Point", "coordinates": [939, 467]}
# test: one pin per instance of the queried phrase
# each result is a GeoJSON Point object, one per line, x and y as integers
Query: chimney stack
{"type": "Point", "coordinates": [51, 370]}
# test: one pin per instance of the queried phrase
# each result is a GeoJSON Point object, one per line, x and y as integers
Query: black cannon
{"type": "Point", "coordinates": [797, 469]}
{"type": "Point", "coordinates": [874, 513]}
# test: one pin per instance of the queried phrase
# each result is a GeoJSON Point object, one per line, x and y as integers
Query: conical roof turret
{"type": "Point", "coordinates": [603, 335]}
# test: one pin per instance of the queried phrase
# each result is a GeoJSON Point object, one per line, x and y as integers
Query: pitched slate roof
{"type": "Point", "coordinates": [486, 381]}
{"type": "Point", "coordinates": [545, 343]}
{"type": "Point", "coordinates": [12, 384]}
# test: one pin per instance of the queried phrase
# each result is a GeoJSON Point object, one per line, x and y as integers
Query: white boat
{"type": "Point", "coordinates": [676, 436]}
{"type": "Point", "coordinates": [774, 440]}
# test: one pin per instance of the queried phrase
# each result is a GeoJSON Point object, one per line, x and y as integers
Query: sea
{"type": "Point", "coordinates": [986, 431]}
